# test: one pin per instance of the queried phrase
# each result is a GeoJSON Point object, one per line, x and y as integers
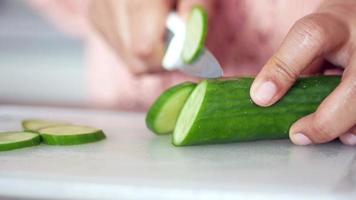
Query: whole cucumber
{"type": "Point", "coordinates": [221, 111]}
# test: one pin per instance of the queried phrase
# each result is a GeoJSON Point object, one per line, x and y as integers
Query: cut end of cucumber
{"type": "Point", "coordinates": [33, 125]}
{"type": "Point", "coordinates": [166, 120]}
{"type": "Point", "coordinates": [162, 116]}
{"type": "Point", "coordinates": [189, 114]}
{"type": "Point", "coordinates": [16, 140]}
{"type": "Point", "coordinates": [70, 135]}
{"type": "Point", "coordinates": [196, 32]}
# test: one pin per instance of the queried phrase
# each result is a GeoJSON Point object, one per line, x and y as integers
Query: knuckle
{"type": "Point", "coordinates": [137, 70]}
{"type": "Point", "coordinates": [284, 70]}
{"type": "Point", "coordinates": [348, 76]}
{"type": "Point", "coordinates": [321, 129]}
{"type": "Point", "coordinates": [353, 130]}
{"type": "Point", "coordinates": [149, 54]}
{"type": "Point", "coordinates": [144, 51]}
{"type": "Point", "coordinates": [311, 30]}
{"type": "Point", "coordinates": [353, 89]}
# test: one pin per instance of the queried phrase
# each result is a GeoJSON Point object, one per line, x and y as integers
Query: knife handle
{"type": "Point", "coordinates": [174, 42]}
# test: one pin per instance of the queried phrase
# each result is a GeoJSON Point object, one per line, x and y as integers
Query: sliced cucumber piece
{"type": "Point", "coordinates": [163, 114]}
{"type": "Point", "coordinates": [33, 125]}
{"type": "Point", "coordinates": [16, 140]}
{"type": "Point", "coordinates": [70, 135]}
{"type": "Point", "coordinates": [196, 31]}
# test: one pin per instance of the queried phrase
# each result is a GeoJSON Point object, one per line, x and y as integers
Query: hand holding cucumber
{"type": "Point", "coordinates": [323, 35]}
{"type": "Point", "coordinates": [221, 111]}
{"type": "Point", "coordinates": [328, 34]}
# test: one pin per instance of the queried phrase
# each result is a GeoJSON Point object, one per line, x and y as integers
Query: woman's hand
{"type": "Point", "coordinates": [330, 34]}
{"type": "Point", "coordinates": [135, 29]}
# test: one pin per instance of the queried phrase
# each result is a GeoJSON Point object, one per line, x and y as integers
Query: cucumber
{"type": "Point", "coordinates": [196, 31]}
{"type": "Point", "coordinates": [221, 111]}
{"type": "Point", "coordinates": [70, 135]}
{"type": "Point", "coordinates": [33, 125]}
{"type": "Point", "coordinates": [163, 114]}
{"type": "Point", "coordinates": [16, 140]}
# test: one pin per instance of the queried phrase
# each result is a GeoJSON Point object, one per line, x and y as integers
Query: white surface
{"type": "Point", "coordinates": [134, 164]}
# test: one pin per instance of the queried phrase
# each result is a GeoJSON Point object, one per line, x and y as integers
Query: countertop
{"type": "Point", "coordinates": [132, 163]}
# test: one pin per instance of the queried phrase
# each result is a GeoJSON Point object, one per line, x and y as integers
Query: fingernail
{"type": "Point", "coordinates": [264, 94]}
{"type": "Point", "coordinates": [348, 139]}
{"type": "Point", "coordinates": [300, 139]}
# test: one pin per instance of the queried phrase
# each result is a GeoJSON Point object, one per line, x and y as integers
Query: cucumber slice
{"type": "Point", "coordinates": [221, 111]}
{"type": "Point", "coordinates": [70, 135]}
{"type": "Point", "coordinates": [196, 32]}
{"type": "Point", "coordinates": [163, 114]}
{"type": "Point", "coordinates": [16, 140]}
{"type": "Point", "coordinates": [33, 125]}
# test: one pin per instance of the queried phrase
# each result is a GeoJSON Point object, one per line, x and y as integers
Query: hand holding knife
{"type": "Point", "coordinates": [204, 65]}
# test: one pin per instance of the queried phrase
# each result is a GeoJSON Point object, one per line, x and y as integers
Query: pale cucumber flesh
{"type": "Point", "coordinates": [71, 135]}
{"type": "Point", "coordinates": [167, 118]}
{"type": "Point", "coordinates": [162, 116]}
{"type": "Point", "coordinates": [33, 125]}
{"type": "Point", "coordinates": [196, 32]}
{"type": "Point", "coordinates": [190, 110]}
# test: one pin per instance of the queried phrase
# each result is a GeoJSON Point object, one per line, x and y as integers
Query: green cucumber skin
{"type": "Point", "coordinates": [72, 139]}
{"type": "Point", "coordinates": [161, 100]}
{"type": "Point", "coordinates": [228, 114]}
{"type": "Point", "coordinates": [23, 144]}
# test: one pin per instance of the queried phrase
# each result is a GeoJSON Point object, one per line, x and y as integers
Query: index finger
{"type": "Point", "coordinates": [310, 38]}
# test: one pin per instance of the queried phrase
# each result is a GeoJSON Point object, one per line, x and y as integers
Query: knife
{"type": "Point", "coordinates": [205, 66]}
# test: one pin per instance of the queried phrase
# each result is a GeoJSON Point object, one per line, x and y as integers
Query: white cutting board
{"type": "Point", "coordinates": [134, 164]}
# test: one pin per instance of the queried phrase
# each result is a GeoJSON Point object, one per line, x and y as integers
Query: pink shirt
{"type": "Point", "coordinates": [243, 34]}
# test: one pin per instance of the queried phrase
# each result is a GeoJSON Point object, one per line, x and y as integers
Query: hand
{"type": "Point", "coordinates": [330, 34]}
{"type": "Point", "coordinates": [135, 29]}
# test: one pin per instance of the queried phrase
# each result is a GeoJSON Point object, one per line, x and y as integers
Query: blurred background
{"type": "Point", "coordinates": [38, 63]}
